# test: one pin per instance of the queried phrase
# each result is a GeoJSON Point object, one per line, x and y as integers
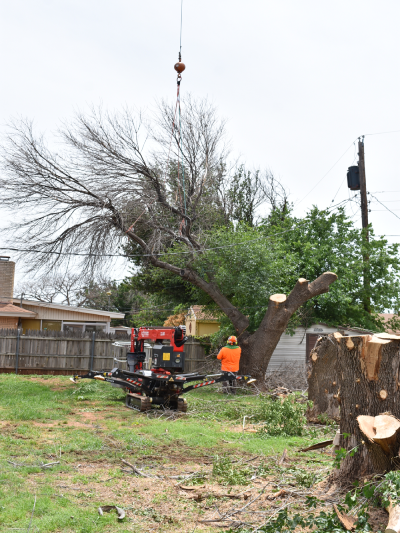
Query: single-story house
{"type": "Point", "coordinates": [200, 323]}
{"type": "Point", "coordinates": [58, 317]}
{"type": "Point", "coordinates": [122, 331]}
{"type": "Point", "coordinates": [31, 314]}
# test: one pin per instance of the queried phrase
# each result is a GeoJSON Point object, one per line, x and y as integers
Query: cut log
{"type": "Point", "coordinates": [394, 519]}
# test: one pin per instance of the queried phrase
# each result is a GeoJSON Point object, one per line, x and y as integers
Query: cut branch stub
{"type": "Point", "coordinates": [278, 299]}
{"type": "Point", "coordinates": [337, 336]}
{"type": "Point", "coordinates": [382, 430]}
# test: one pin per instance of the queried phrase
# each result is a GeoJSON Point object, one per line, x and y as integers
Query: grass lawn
{"type": "Point", "coordinates": [87, 431]}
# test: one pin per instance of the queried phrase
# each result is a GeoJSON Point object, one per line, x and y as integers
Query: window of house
{"type": "Point", "coordinates": [53, 325]}
{"type": "Point", "coordinates": [73, 327]}
{"type": "Point", "coordinates": [88, 327]}
{"type": "Point", "coordinates": [94, 327]}
{"type": "Point", "coordinates": [30, 323]}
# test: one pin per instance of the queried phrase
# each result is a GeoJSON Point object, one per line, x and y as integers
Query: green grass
{"type": "Point", "coordinates": [48, 419]}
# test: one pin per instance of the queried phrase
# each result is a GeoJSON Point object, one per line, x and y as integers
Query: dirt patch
{"type": "Point", "coordinates": [53, 383]}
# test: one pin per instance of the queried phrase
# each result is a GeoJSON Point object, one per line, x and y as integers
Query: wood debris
{"type": "Point", "coordinates": [346, 520]}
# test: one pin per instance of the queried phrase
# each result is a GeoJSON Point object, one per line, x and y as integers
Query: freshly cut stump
{"type": "Point", "coordinates": [366, 366]}
{"type": "Point", "coordinates": [322, 379]}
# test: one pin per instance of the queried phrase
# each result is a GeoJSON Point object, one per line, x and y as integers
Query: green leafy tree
{"type": "Point", "coordinates": [272, 256]}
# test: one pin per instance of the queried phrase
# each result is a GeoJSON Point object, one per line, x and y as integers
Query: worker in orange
{"type": "Point", "coordinates": [230, 357]}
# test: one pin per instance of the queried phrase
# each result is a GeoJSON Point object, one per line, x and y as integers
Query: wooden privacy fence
{"type": "Point", "coordinates": [194, 356]}
{"type": "Point", "coordinates": [68, 353]}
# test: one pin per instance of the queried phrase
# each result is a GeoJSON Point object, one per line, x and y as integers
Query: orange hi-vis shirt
{"type": "Point", "coordinates": [230, 357]}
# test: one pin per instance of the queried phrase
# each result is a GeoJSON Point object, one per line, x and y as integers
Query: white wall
{"type": "Point", "coordinates": [292, 349]}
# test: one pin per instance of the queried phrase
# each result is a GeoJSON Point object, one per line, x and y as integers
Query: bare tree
{"type": "Point", "coordinates": [116, 181]}
{"type": "Point", "coordinates": [247, 191]}
{"type": "Point", "coordinates": [68, 288]}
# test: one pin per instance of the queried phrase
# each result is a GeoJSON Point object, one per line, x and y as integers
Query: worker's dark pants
{"type": "Point", "coordinates": [229, 386]}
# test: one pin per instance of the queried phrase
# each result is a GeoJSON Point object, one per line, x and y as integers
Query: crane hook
{"type": "Point", "coordinates": [179, 67]}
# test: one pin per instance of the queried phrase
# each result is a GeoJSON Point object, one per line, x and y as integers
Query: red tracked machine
{"type": "Point", "coordinates": [165, 383]}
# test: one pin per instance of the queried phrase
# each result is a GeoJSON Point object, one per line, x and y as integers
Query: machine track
{"type": "Point", "coordinates": [182, 405]}
{"type": "Point", "coordinates": [138, 402]}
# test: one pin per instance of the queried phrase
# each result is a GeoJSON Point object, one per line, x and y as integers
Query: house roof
{"type": "Point", "coordinates": [198, 312]}
{"type": "Point", "coordinates": [61, 307]}
{"type": "Point", "coordinates": [8, 309]}
{"type": "Point", "coordinates": [386, 317]}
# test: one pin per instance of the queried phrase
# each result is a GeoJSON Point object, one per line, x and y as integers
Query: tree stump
{"type": "Point", "coordinates": [369, 379]}
{"type": "Point", "coordinates": [322, 379]}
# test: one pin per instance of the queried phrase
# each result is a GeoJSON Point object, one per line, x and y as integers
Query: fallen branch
{"type": "Point", "coordinates": [347, 521]}
{"type": "Point", "coordinates": [47, 465]}
{"type": "Point", "coordinates": [317, 446]}
{"type": "Point", "coordinates": [139, 472]}
{"type": "Point", "coordinates": [108, 508]}
{"type": "Point", "coordinates": [283, 458]}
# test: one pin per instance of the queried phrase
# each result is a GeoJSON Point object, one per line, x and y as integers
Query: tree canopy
{"type": "Point", "coordinates": [272, 256]}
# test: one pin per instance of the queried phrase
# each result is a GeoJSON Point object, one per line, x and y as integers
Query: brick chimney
{"type": "Point", "coordinates": [7, 271]}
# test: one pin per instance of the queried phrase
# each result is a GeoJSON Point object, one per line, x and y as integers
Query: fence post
{"type": "Point", "coordinates": [92, 351]}
{"type": "Point", "coordinates": [17, 351]}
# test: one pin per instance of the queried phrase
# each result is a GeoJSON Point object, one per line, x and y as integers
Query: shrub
{"type": "Point", "coordinates": [282, 417]}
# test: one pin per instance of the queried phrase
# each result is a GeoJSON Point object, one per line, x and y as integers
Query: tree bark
{"type": "Point", "coordinates": [369, 380]}
{"type": "Point", "coordinates": [322, 379]}
{"type": "Point", "coordinates": [258, 348]}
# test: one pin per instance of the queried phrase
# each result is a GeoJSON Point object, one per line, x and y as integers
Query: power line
{"type": "Point", "coordinates": [382, 192]}
{"type": "Point", "coordinates": [390, 211]}
{"type": "Point", "coordinates": [380, 133]}
{"type": "Point", "coordinates": [324, 176]}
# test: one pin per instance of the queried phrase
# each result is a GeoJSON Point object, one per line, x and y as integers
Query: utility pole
{"type": "Point", "coordinates": [363, 186]}
{"type": "Point", "coordinates": [364, 220]}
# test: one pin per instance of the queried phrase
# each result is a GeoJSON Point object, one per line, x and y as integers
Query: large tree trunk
{"type": "Point", "coordinates": [322, 379]}
{"type": "Point", "coordinates": [368, 385]}
{"type": "Point", "coordinates": [258, 348]}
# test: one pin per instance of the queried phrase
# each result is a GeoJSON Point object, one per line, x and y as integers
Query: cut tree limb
{"type": "Point", "coordinates": [317, 446]}
{"type": "Point", "coordinates": [347, 521]}
{"type": "Point", "coordinates": [383, 430]}
{"type": "Point", "coordinates": [394, 519]}
{"type": "Point", "coordinates": [258, 348]}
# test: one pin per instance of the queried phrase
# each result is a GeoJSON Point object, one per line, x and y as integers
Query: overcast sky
{"type": "Point", "coordinates": [297, 81]}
